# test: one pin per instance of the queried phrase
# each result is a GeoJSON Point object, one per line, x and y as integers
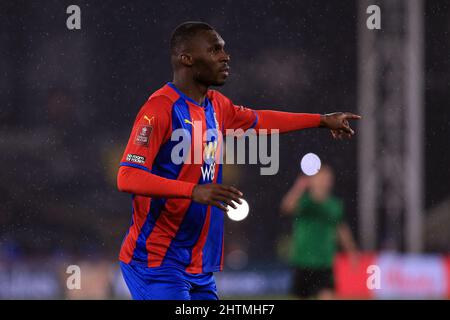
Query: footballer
{"type": "Point", "coordinates": [175, 241]}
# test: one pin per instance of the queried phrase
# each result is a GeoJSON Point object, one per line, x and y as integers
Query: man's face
{"type": "Point", "coordinates": [210, 61]}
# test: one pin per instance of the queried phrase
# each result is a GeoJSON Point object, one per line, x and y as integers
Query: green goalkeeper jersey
{"type": "Point", "coordinates": [314, 241]}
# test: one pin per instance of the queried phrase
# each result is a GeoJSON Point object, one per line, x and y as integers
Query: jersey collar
{"type": "Point", "coordinates": [185, 97]}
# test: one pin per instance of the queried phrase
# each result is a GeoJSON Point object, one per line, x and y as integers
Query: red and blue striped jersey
{"type": "Point", "coordinates": [178, 231]}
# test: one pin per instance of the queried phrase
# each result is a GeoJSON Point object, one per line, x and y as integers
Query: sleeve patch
{"type": "Point", "coordinates": [143, 135]}
{"type": "Point", "coordinates": [135, 158]}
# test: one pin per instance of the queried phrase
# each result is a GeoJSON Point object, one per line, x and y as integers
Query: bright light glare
{"type": "Point", "coordinates": [240, 213]}
{"type": "Point", "coordinates": [310, 164]}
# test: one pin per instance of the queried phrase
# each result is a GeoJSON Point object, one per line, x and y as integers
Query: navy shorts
{"type": "Point", "coordinates": [168, 283]}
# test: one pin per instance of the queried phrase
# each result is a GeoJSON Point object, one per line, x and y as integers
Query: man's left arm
{"type": "Point", "coordinates": [337, 122]}
{"type": "Point", "coordinates": [240, 117]}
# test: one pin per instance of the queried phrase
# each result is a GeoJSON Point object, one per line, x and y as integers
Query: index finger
{"type": "Point", "coordinates": [349, 115]}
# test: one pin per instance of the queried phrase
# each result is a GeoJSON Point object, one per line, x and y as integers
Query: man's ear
{"type": "Point", "coordinates": [186, 59]}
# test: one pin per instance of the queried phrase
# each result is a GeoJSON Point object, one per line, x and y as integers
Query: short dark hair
{"type": "Point", "coordinates": [185, 32]}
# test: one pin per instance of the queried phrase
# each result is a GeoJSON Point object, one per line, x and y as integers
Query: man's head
{"type": "Point", "coordinates": [198, 50]}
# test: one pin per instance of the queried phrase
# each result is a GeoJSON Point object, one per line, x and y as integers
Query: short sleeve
{"type": "Point", "coordinates": [150, 130]}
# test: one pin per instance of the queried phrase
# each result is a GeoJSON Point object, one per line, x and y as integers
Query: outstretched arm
{"type": "Point", "coordinates": [240, 117]}
{"type": "Point", "coordinates": [285, 121]}
{"type": "Point", "coordinates": [288, 121]}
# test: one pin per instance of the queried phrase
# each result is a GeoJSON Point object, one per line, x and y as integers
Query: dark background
{"type": "Point", "coordinates": [68, 100]}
